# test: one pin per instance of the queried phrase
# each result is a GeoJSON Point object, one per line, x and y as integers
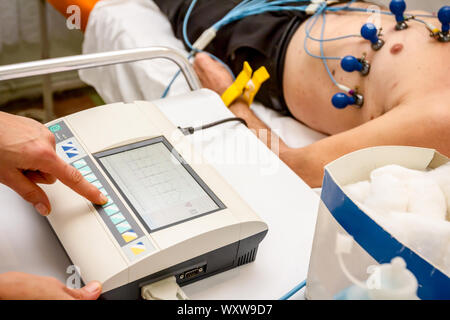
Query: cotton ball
{"type": "Point", "coordinates": [358, 191]}
{"type": "Point", "coordinates": [387, 193]}
{"type": "Point", "coordinates": [397, 171]}
{"type": "Point", "coordinates": [426, 198]}
{"type": "Point", "coordinates": [378, 217]}
{"type": "Point", "coordinates": [442, 176]}
{"type": "Point", "coordinates": [385, 220]}
{"type": "Point", "coordinates": [394, 224]}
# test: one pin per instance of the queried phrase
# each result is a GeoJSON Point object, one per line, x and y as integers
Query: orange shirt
{"type": "Point", "coordinates": [85, 6]}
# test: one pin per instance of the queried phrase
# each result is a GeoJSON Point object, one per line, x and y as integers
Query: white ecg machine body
{"type": "Point", "coordinates": [169, 213]}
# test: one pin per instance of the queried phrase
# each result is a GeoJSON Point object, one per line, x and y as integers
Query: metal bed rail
{"type": "Point", "coordinates": [47, 89]}
{"type": "Point", "coordinates": [50, 66]}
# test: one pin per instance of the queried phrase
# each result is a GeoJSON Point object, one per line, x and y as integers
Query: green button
{"type": "Point", "coordinates": [97, 184]}
{"type": "Point", "coordinates": [122, 227]}
{"type": "Point", "coordinates": [79, 164]}
{"type": "Point", "coordinates": [112, 209]}
{"type": "Point", "coordinates": [55, 128]}
{"type": "Point", "coordinates": [117, 218]}
{"type": "Point", "coordinates": [110, 201]}
{"type": "Point", "coordinates": [85, 170]}
{"type": "Point", "coordinates": [90, 177]}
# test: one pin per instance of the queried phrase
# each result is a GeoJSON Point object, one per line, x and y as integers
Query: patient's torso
{"type": "Point", "coordinates": [410, 66]}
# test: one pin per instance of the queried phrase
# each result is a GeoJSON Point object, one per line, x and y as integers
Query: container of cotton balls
{"type": "Point", "coordinates": [379, 206]}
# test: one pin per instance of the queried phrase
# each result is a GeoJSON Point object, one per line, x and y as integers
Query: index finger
{"type": "Point", "coordinates": [72, 178]}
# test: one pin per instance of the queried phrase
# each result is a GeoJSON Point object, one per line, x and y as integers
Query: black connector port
{"type": "Point", "coordinates": [191, 273]}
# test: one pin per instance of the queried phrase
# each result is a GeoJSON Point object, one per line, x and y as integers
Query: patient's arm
{"type": "Point", "coordinates": [241, 110]}
{"type": "Point", "coordinates": [412, 125]}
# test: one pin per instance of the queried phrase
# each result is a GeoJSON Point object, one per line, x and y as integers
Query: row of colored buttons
{"type": "Point", "coordinates": [111, 209]}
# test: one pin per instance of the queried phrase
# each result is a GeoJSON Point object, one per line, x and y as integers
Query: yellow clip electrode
{"type": "Point", "coordinates": [245, 85]}
{"type": "Point", "coordinates": [235, 90]}
{"type": "Point", "coordinates": [254, 84]}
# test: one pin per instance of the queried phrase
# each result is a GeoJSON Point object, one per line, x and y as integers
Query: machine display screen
{"type": "Point", "coordinates": [161, 188]}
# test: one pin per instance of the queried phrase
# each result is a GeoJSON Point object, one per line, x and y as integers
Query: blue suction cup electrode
{"type": "Point", "coordinates": [341, 100]}
{"type": "Point", "coordinates": [351, 64]}
{"type": "Point", "coordinates": [369, 32]}
{"type": "Point", "coordinates": [398, 8]}
{"type": "Point", "coordinates": [444, 18]}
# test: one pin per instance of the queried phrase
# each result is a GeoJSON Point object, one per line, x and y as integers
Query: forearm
{"type": "Point", "coordinates": [404, 125]}
{"type": "Point", "coordinates": [259, 128]}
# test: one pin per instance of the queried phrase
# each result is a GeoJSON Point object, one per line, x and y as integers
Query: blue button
{"type": "Point", "coordinates": [79, 164]}
{"type": "Point", "coordinates": [97, 184]}
{"type": "Point", "coordinates": [112, 209]}
{"type": "Point", "coordinates": [122, 227]}
{"type": "Point", "coordinates": [85, 171]}
{"type": "Point", "coordinates": [70, 150]}
{"type": "Point", "coordinates": [102, 190]}
{"type": "Point", "coordinates": [117, 218]}
{"type": "Point", "coordinates": [91, 177]}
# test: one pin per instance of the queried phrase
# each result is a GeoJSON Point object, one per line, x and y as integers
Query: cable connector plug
{"type": "Point", "coordinates": [187, 131]}
{"type": "Point", "coordinates": [314, 6]}
{"type": "Point", "coordinates": [190, 130]}
{"type": "Point", "coordinates": [166, 289]}
{"type": "Point", "coordinates": [207, 36]}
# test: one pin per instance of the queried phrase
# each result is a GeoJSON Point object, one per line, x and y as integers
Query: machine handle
{"type": "Point", "coordinates": [86, 61]}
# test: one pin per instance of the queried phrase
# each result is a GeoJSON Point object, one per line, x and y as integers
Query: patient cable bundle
{"type": "Point", "coordinates": [318, 8]}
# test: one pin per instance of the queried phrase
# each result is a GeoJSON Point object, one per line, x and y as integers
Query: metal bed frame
{"type": "Point", "coordinates": [47, 89]}
{"type": "Point", "coordinates": [50, 66]}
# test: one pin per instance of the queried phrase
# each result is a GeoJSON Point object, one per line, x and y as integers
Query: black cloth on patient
{"type": "Point", "coordinates": [261, 39]}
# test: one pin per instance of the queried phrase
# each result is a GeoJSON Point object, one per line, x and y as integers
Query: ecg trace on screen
{"type": "Point", "coordinates": [157, 185]}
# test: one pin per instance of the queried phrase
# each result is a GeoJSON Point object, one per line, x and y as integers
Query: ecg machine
{"type": "Point", "coordinates": [168, 213]}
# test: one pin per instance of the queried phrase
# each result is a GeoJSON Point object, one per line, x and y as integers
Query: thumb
{"type": "Point", "coordinates": [89, 292]}
{"type": "Point", "coordinates": [202, 62]}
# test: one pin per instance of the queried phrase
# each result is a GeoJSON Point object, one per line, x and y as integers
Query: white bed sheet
{"type": "Point", "coordinates": [127, 24]}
